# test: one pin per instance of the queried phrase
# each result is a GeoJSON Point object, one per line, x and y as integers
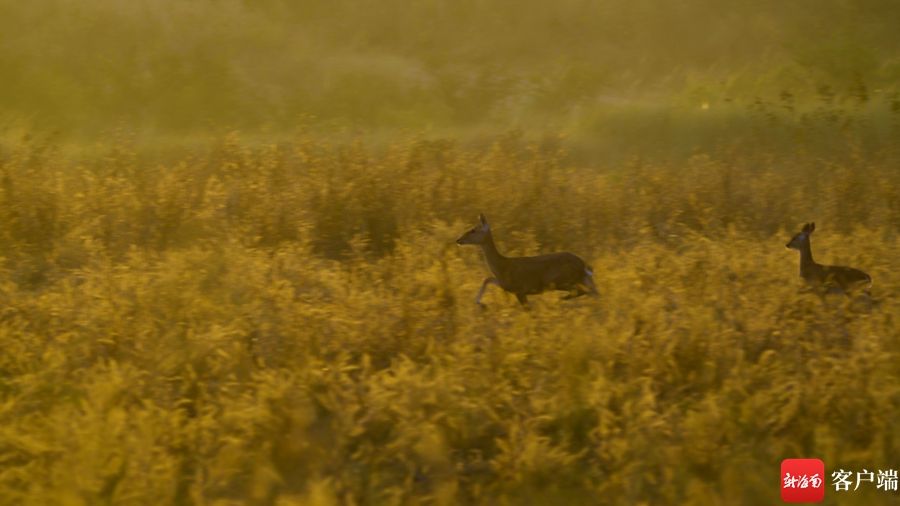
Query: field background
{"type": "Point", "coordinates": [228, 272]}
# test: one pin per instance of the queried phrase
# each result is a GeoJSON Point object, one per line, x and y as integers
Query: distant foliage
{"type": "Point", "coordinates": [170, 65]}
{"type": "Point", "coordinates": [292, 324]}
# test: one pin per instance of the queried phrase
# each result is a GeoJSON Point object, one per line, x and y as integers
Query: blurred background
{"type": "Point", "coordinates": [655, 76]}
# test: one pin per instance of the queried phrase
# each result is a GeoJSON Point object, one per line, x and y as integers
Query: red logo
{"type": "Point", "coordinates": [802, 480]}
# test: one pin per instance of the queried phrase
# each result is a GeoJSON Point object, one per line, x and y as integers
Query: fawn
{"type": "Point", "coordinates": [524, 276]}
{"type": "Point", "coordinates": [827, 278]}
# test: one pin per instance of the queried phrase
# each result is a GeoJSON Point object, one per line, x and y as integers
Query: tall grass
{"type": "Point", "coordinates": [292, 324]}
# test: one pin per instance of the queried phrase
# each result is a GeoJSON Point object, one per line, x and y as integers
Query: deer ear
{"type": "Point", "coordinates": [482, 219]}
{"type": "Point", "coordinates": [812, 226]}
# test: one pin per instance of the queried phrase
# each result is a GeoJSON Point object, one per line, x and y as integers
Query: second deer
{"type": "Point", "coordinates": [524, 276]}
{"type": "Point", "coordinates": [826, 278]}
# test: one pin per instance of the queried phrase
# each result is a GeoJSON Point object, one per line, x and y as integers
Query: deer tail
{"type": "Point", "coordinates": [589, 279]}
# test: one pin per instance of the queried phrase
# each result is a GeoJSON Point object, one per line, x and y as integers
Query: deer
{"type": "Point", "coordinates": [826, 278]}
{"type": "Point", "coordinates": [524, 276]}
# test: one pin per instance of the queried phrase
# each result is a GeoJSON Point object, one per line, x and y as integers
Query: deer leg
{"type": "Point", "coordinates": [866, 297]}
{"type": "Point", "coordinates": [578, 293]}
{"type": "Point", "coordinates": [522, 298]}
{"type": "Point", "coordinates": [585, 287]}
{"type": "Point", "coordinates": [487, 281]}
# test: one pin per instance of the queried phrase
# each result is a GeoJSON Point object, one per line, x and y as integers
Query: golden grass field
{"type": "Point", "coordinates": [228, 270]}
{"type": "Point", "coordinates": [293, 324]}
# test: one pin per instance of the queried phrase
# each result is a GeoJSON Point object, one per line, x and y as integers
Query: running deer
{"type": "Point", "coordinates": [524, 276]}
{"type": "Point", "coordinates": [827, 278]}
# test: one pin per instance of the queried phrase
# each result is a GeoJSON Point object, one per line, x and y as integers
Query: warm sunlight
{"type": "Point", "coordinates": [229, 270]}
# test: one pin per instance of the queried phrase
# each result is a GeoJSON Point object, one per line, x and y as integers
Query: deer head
{"type": "Point", "coordinates": [802, 238]}
{"type": "Point", "coordinates": [478, 234]}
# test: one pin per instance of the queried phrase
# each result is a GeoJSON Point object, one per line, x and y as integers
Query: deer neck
{"type": "Point", "coordinates": [808, 266]}
{"type": "Point", "coordinates": [493, 257]}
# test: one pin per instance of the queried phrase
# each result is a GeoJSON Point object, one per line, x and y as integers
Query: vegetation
{"type": "Point", "coordinates": [228, 272]}
{"type": "Point", "coordinates": [169, 68]}
{"type": "Point", "coordinates": [293, 325]}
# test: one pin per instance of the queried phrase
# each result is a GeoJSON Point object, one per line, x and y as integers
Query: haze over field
{"type": "Point", "coordinates": [166, 66]}
{"type": "Point", "coordinates": [228, 272]}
